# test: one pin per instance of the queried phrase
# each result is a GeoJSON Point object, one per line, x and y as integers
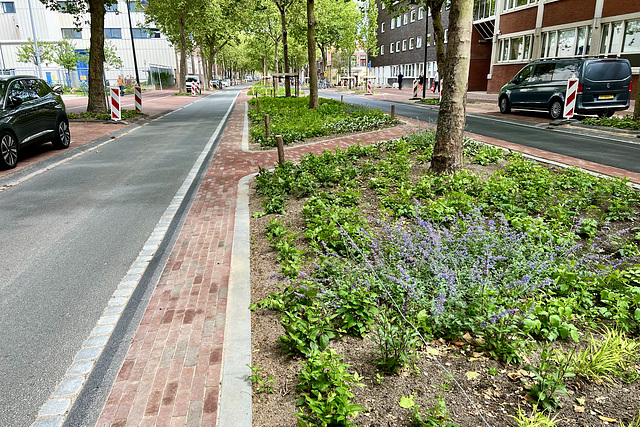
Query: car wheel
{"type": "Point", "coordinates": [8, 151]}
{"type": "Point", "coordinates": [555, 109]}
{"type": "Point", "coordinates": [62, 139]}
{"type": "Point", "coordinates": [505, 105]}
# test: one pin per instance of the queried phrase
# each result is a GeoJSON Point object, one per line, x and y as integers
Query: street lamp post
{"type": "Point", "coordinates": [142, 3]}
{"type": "Point", "coordinates": [426, 45]}
{"type": "Point", "coordinates": [35, 41]}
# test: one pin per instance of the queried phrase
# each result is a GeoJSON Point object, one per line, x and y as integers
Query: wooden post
{"type": "Point", "coordinates": [258, 103]}
{"type": "Point", "coordinates": [280, 145]}
{"type": "Point", "coordinates": [393, 111]}
{"type": "Point", "coordinates": [267, 126]}
{"type": "Point", "coordinates": [341, 98]}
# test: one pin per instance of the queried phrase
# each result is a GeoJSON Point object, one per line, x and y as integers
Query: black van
{"type": "Point", "coordinates": [604, 86]}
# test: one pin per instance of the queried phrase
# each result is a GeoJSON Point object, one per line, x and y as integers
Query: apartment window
{"type": "Point", "coordinates": [111, 8]}
{"type": "Point", "coordinates": [397, 46]}
{"type": "Point", "coordinates": [446, 35]}
{"type": "Point", "coordinates": [429, 39]}
{"type": "Point", "coordinates": [413, 15]}
{"type": "Point", "coordinates": [382, 27]}
{"type": "Point", "coordinates": [404, 45]}
{"type": "Point", "coordinates": [398, 21]}
{"type": "Point", "coordinates": [71, 33]}
{"type": "Point", "coordinates": [512, 4]}
{"type": "Point", "coordinates": [411, 43]}
{"type": "Point", "coordinates": [393, 23]}
{"type": "Point", "coordinates": [568, 42]}
{"type": "Point", "coordinates": [381, 50]}
{"type": "Point", "coordinates": [421, 13]}
{"type": "Point", "coordinates": [363, 60]}
{"type": "Point", "coordinates": [418, 42]}
{"type": "Point", "coordinates": [145, 33]}
{"type": "Point", "coordinates": [8, 7]}
{"type": "Point", "coordinates": [112, 33]}
{"type": "Point", "coordinates": [391, 48]}
{"type": "Point", "coordinates": [620, 37]}
{"type": "Point", "coordinates": [515, 49]}
{"type": "Point", "coordinates": [406, 18]}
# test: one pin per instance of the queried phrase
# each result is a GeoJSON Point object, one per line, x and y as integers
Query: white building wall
{"type": "Point", "coordinates": [15, 29]}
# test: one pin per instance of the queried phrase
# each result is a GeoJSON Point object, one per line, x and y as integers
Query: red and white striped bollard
{"type": "Point", "coordinates": [415, 89]}
{"type": "Point", "coordinates": [115, 104]}
{"type": "Point", "coordinates": [138, 98]}
{"type": "Point", "coordinates": [570, 98]}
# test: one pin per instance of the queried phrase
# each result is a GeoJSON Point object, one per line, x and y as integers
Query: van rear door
{"type": "Point", "coordinates": [606, 83]}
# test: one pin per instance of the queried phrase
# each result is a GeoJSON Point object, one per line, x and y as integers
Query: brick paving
{"type": "Point", "coordinates": [171, 374]}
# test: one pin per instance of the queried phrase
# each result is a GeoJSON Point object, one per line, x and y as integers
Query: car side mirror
{"type": "Point", "coordinates": [14, 101]}
{"type": "Point", "coordinates": [57, 89]}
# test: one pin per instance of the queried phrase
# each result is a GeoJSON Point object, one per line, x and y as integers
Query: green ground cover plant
{"type": "Point", "coordinates": [126, 115]}
{"type": "Point", "coordinates": [521, 261]}
{"type": "Point", "coordinates": [625, 122]}
{"type": "Point", "coordinates": [292, 118]}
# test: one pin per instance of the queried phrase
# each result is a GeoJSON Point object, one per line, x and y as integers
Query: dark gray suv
{"type": "Point", "coordinates": [30, 113]}
{"type": "Point", "coordinates": [604, 86]}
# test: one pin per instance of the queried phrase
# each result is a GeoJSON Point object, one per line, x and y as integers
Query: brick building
{"type": "Point", "coordinates": [507, 34]}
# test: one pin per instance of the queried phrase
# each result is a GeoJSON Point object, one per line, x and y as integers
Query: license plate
{"type": "Point", "coordinates": [605, 97]}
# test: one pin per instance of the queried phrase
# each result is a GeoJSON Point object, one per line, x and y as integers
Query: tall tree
{"type": "Point", "coordinates": [96, 11]}
{"type": "Point", "coordinates": [65, 55]}
{"type": "Point", "coordinates": [311, 55]}
{"type": "Point", "coordinates": [176, 19]}
{"type": "Point", "coordinates": [26, 52]}
{"type": "Point", "coordinates": [283, 7]}
{"type": "Point", "coordinates": [453, 66]}
{"type": "Point", "coordinates": [368, 27]}
{"type": "Point", "coordinates": [336, 26]}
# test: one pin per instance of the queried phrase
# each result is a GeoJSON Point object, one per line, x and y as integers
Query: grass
{"type": "Point", "coordinates": [126, 115]}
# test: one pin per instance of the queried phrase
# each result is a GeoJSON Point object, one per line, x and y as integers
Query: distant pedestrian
{"type": "Point", "coordinates": [400, 76]}
{"type": "Point", "coordinates": [421, 80]}
{"type": "Point", "coordinates": [121, 85]}
{"type": "Point", "coordinates": [436, 83]}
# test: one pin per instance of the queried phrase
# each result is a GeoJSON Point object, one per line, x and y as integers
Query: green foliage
{"type": "Point", "coordinates": [396, 343]}
{"type": "Point", "coordinates": [357, 310]}
{"type": "Point", "coordinates": [292, 118]}
{"type": "Point", "coordinates": [549, 379]}
{"type": "Point", "coordinates": [625, 122]}
{"type": "Point", "coordinates": [283, 241]}
{"type": "Point", "coordinates": [505, 340]}
{"type": "Point", "coordinates": [325, 391]}
{"type": "Point", "coordinates": [552, 320]}
{"type": "Point", "coordinates": [126, 115]}
{"type": "Point", "coordinates": [26, 52]}
{"type": "Point", "coordinates": [438, 416]}
{"type": "Point", "coordinates": [488, 154]}
{"type": "Point", "coordinates": [536, 419]}
{"type": "Point", "coordinates": [260, 384]}
{"type": "Point", "coordinates": [607, 358]}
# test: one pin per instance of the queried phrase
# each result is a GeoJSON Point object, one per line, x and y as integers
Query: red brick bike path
{"type": "Point", "coordinates": [171, 374]}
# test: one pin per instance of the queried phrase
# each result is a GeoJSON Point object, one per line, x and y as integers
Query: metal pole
{"type": "Point", "coordinates": [424, 65]}
{"type": "Point", "coordinates": [4, 66]}
{"type": "Point", "coordinates": [35, 40]}
{"type": "Point", "coordinates": [133, 46]}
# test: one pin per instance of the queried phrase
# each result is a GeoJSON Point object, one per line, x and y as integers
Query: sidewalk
{"type": "Point", "coordinates": [172, 374]}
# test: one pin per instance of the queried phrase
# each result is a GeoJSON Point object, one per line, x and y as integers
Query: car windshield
{"type": "Point", "coordinates": [607, 70]}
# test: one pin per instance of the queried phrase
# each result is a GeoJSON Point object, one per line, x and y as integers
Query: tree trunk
{"type": "Point", "coordinates": [447, 153]}
{"type": "Point", "coordinates": [182, 85]}
{"type": "Point", "coordinates": [438, 34]}
{"type": "Point", "coordinates": [285, 52]}
{"type": "Point", "coordinates": [275, 65]}
{"type": "Point", "coordinates": [96, 102]}
{"type": "Point", "coordinates": [311, 47]}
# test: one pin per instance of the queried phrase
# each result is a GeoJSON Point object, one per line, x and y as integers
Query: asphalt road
{"type": "Point", "coordinates": [70, 234]}
{"type": "Point", "coordinates": [612, 150]}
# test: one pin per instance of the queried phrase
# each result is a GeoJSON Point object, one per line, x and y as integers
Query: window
{"type": "Point", "coordinates": [112, 33]}
{"type": "Point", "coordinates": [391, 48]}
{"type": "Point", "coordinates": [381, 50]}
{"type": "Point", "coordinates": [398, 21]}
{"type": "Point", "coordinates": [446, 35]}
{"type": "Point", "coordinates": [515, 49]}
{"type": "Point", "coordinates": [418, 42]}
{"type": "Point", "coordinates": [398, 46]}
{"type": "Point", "coordinates": [421, 13]}
{"type": "Point", "coordinates": [620, 37]}
{"type": "Point", "coordinates": [8, 7]}
{"type": "Point", "coordinates": [63, 6]}
{"type": "Point", "coordinates": [413, 15]}
{"type": "Point", "coordinates": [363, 60]}
{"type": "Point", "coordinates": [23, 90]}
{"type": "Point", "coordinates": [382, 27]}
{"type": "Point", "coordinates": [631, 41]}
{"type": "Point", "coordinates": [566, 43]}
{"type": "Point", "coordinates": [411, 43]}
{"type": "Point", "coordinates": [512, 4]}
{"type": "Point", "coordinates": [428, 39]}
{"type": "Point", "coordinates": [111, 8]}
{"type": "Point", "coordinates": [543, 72]}
{"type": "Point", "coordinates": [71, 33]}
{"type": "Point", "coordinates": [404, 45]}
{"type": "Point", "coordinates": [393, 23]}
{"type": "Point", "coordinates": [406, 18]}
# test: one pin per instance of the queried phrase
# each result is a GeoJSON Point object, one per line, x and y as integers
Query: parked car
{"type": "Point", "coordinates": [604, 86]}
{"type": "Point", "coordinates": [189, 81]}
{"type": "Point", "coordinates": [30, 113]}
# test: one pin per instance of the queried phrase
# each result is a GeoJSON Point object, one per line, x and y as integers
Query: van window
{"type": "Point", "coordinates": [524, 74]}
{"type": "Point", "coordinates": [607, 70]}
{"type": "Point", "coordinates": [543, 72]}
{"type": "Point", "coordinates": [565, 71]}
